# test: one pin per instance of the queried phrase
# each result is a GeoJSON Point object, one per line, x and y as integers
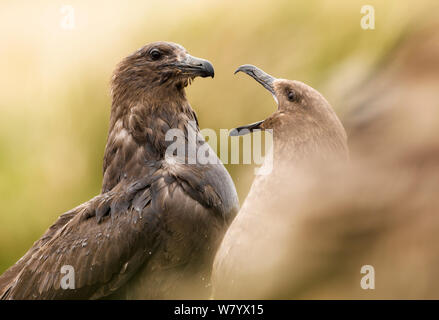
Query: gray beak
{"type": "Point", "coordinates": [193, 66]}
{"type": "Point", "coordinates": [260, 76]}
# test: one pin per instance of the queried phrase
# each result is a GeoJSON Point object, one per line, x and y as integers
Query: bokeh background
{"type": "Point", "coordinates": [54, 84]}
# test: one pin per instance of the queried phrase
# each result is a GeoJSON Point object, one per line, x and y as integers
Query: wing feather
{"type": "Point", "coordinates": [107, 239]}
{"type": "Point", "coordinates": [104, 252]}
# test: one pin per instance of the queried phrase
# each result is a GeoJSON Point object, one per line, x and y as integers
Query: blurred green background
{"type": "Point", "coordinates": [54, 88]}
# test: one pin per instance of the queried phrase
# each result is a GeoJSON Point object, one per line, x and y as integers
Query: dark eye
{"type": "Point", "coordinates": [155, 54]}
{"type": "Point", "coordinates": [291, 95]}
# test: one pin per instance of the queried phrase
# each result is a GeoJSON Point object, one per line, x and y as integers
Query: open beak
{"type": "Point", "coordinates": [267, 82]}
{"type": "Point", "coordinates": [196, 67]}
{"type": "Point", "coordinates": [260, 76]}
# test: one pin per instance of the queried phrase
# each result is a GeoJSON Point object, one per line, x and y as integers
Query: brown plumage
{"type": "Point", "coordinates": [312, 239]}
{"type": "Point", "coordinates": [305, 127]}
{"type": "Point", "coordinates": [155, 227]}
{"type": "Point", "coordinates": [307, 136]}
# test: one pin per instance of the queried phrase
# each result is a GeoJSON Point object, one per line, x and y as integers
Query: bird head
{"type": "Point", "coordinates": [303, 115]}
{"type": "Point", "coordinates": [161, 65]}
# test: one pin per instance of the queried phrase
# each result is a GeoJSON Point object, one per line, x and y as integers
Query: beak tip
{"type": "Point", "coordinates": [244, 68]}
{"type": "Point", "coordinates": [209, 70]}
{"type": "Point", "coordinates": [259, 75]}
{"type": "Point", "coordinates": [198, 67]}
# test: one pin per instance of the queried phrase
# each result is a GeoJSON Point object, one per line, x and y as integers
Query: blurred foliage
{"type": "Point", "coordinates": [54, 97]}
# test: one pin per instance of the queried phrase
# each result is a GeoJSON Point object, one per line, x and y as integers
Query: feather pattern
{"type": "Point", "coordinates": [154, 229]}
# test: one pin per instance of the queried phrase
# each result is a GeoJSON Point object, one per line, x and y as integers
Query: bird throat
{"type": "Point", "coordinates": [137, 139]}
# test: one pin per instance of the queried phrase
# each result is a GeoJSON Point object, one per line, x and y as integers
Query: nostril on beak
{"type": "Point", "coordinates": [203, 67]}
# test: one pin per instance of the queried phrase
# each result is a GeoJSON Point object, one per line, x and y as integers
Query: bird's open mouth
{"type": "Point", "coordinates": [267, 82]}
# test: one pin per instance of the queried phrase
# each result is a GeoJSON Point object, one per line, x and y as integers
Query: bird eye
{"type": "Point", "coordinates": [155, 54]}
{"type": "Point", "coordinates": [291, 95]}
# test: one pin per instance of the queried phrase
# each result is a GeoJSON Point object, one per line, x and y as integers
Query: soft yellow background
{"type": "Point", "coordinates": [54, 83]}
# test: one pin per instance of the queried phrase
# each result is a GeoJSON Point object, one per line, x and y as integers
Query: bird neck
{"type": "Point", "coordinates": [307, 145]}
{"type": "Point", "coordinates": [137, 134]}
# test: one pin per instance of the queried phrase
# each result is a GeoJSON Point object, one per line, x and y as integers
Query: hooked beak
{"type": "Point", "coordinates": [260, 76]}
{"type": "Point", "coordinates": [194, 67]}
{"type": "Point", "coordinates": [267, 82]}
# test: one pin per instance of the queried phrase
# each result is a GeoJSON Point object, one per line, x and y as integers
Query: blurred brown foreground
{"type": "Point", "coordinates": [313, 236]}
